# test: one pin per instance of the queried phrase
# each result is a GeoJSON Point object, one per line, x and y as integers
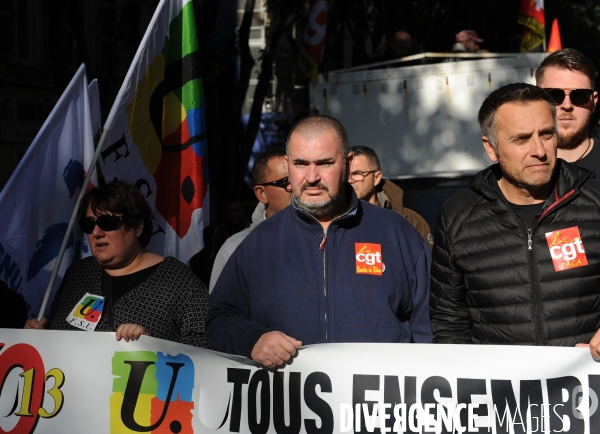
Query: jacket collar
{"type": "Point", "coordinates": [258, 215]}
{"type": "Point", "coordinates": [393, 194]}
{"type": "Point", "coordinates": [571, 177]}
{"type": "Point", "coordinates": [567, 182]}
{"type": "Point", "coordinates": [352, 212]}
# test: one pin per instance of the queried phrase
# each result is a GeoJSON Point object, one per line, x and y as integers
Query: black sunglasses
{"type": "Point", "coordinates": [577, 96]}
{"type": "Point", "coordinates": [106, 223]}
{"type": "Point", "coordinates": [281, 183]}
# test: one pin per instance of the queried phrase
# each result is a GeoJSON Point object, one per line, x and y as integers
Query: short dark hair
{"type": "Point", "coordinates": [516, 93]}
{"type": "Point", "coordinates": [315, 124]}
{"type": "Point", "coordinates": [259, 170]}
{"type": "Point", "coordinates": [368, 153]}
{"type": "Point", "coordinates": [119, 197]}
{"type": "Point", "coordinates": [571, 59]}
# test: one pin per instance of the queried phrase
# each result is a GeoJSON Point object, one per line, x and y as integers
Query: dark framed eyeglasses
{"type": "Point", "coordinates": [577, 96]}
{"type": "Point", "coordinates": [281, 183]}
{"type": "Point", "coordinates": [106, 223]}
{"type": "Point", "coordinates": [359, 175]}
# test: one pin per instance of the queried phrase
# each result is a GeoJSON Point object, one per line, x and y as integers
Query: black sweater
{"type": "Point", "coordinates": [171, 304]}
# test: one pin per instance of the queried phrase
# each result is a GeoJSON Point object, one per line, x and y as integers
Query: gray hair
{"type": "Point", "coordinates": [516, 93]}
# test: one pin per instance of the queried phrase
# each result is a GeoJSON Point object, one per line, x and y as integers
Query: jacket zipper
{"type": "Point", "coordinates": [323, 240]}
{"type": "Point", "coordinates": [532, 275]}
{"type": "Point", "coordinates": [322, 247]}
{"type": "Point", "coordinates": [533, 280]}
{"type": "Point", "coordinates": [536, 290]}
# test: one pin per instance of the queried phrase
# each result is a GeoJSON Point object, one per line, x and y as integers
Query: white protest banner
{"type": "Point", "coordinates": [37, 201]}
{"type": "Point", "coordinates": [87, 382]}
{"type": "Point", "coordinates": [156, 131]}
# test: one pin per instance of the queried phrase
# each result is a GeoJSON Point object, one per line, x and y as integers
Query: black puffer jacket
{"type": "Point", "coordinates": [489, 287]}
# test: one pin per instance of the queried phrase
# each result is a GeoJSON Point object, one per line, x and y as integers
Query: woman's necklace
{"type": "Point", "coordinates": [586, 149]}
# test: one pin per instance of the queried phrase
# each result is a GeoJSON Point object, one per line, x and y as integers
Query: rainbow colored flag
{"type": "Point", "coordinates": [156, 136]}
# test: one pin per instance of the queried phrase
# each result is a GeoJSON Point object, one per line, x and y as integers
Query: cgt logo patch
{"type": "Point", "coordinates": [152, 392]}
{"type": "Point", "coordinates": [369, 259]}
{"type": "Point", "coordinates": [566, 249]}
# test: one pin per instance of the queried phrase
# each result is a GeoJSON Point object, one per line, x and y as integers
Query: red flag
{"type": "Point", "coordinates": [531, 16]}
{"type": "Point", "coordinates": [554, 43]}
{"type": "Point", "coordinates": [313, 40]}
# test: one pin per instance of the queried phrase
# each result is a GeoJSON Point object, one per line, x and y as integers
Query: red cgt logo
{"type": "Point", "coordinates": [566, 249]}
{"type": "Point", "coordinates": [368, 259]}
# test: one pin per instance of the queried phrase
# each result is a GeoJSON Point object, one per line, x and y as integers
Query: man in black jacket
{"type": "Point", "coordinates": [516, 257]}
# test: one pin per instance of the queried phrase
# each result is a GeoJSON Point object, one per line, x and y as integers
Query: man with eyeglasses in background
{"type": "Point", "coordinates": [273, 191]}
{"type": "Point", "coordinates": [366, 179]}
{"type": "Point", "coordinates": [569, 77]}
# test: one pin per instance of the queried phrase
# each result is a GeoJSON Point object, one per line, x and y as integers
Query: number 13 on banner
{"type": "Point", "coordinates": [26, 357]}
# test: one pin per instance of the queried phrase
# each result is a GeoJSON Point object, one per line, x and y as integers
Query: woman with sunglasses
{"type": "Point", "coordinates": [124, 287]}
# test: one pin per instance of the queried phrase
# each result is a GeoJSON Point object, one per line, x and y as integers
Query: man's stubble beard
{"type": "Point", "coordinates": [323, 208]}
{"type": "Point", "coordinates": [328, 206]}
{"type": "Point", "coordinates": [523, 184]}
{"type": "Point", "coordinates": [574, 139]}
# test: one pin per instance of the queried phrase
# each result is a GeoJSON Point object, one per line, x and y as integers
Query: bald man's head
{"type": "Point", "coordinates": [312, 127]}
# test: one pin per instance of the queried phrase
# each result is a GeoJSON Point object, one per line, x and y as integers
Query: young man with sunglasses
{"type": "Point", "coordinates": [569, 77]}
{"type": "Point", "coordinates": [329, 268]}
{"type": "Point", "coordinates": [274, 193]}
{"type": "Point", "coordinates": [516, 258]}
{"type": "Point", "coordinates": [368, 183]}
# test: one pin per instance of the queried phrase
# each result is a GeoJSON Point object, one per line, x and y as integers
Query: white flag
{"type": "Point", "coordinates": [94, 95]}
{"type": "Point", "coordinates": [156, 136]}
{"type": "Point", "coordinates": [37, 202]}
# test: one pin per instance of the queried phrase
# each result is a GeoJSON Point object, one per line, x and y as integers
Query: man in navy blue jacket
{"type": "Point", "coordinates": [329, 268]}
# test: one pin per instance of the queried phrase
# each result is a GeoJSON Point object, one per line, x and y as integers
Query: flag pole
{"type": "Point", "coordinates": [65, 242]}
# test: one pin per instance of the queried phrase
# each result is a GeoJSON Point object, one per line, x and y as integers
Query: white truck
{"type": "Point", "coordinates": [420, 119]}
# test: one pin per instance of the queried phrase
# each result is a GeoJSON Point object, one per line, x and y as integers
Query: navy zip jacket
{"type": "Point", "coordinates": [366, 279]}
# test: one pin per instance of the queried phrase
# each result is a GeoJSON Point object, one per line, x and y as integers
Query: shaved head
{"type": "Point", "coordinates": [312, 127]}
